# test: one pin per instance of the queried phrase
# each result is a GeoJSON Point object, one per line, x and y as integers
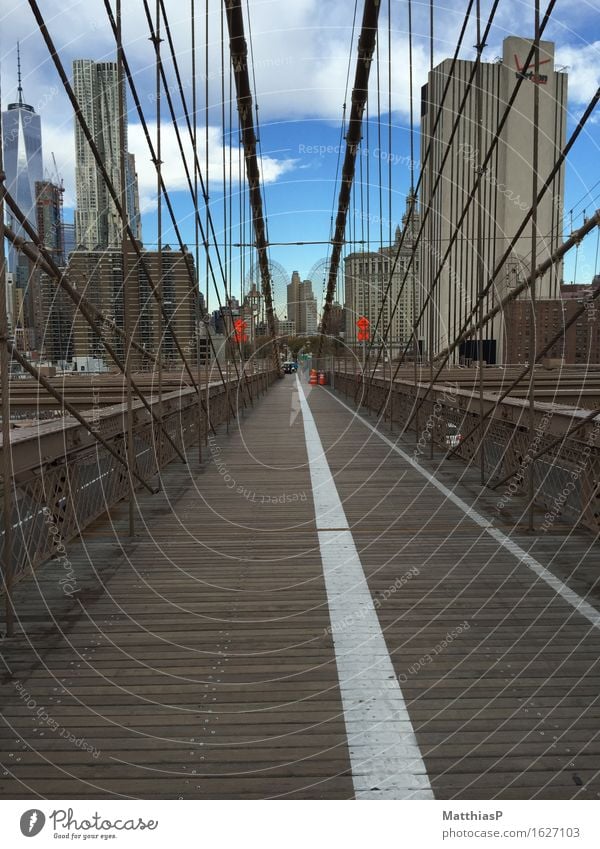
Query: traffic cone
{"type": "Point", "coordinates": [313, 377]}
{"type": "Point", "coordinates": [322, 379]}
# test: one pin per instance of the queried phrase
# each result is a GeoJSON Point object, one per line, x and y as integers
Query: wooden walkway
{"type": "Point", "coordinates": [199, 660]}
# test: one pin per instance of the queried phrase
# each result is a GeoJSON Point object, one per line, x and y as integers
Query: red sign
{"type": "Point", "coordinates": [526, 74]}
{"type": "Point", "coordinates": [239, 328]}
{"type": "Point", "coordinates": [363, 325]}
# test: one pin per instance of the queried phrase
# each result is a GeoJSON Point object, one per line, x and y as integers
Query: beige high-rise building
{"type": "Point", "coordinates": [366, 278]}
{"type": "Point", "coordinates": [97, 223]}
{"type": "Point", "coordinates": [506, 193]}
{"type": "Point", "coordinates": [307, 317]}
{"type": "Point", "coordinates": [293, 298]}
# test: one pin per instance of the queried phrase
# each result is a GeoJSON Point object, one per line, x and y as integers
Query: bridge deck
{"type": "Point", "coordinates": [230, 650]}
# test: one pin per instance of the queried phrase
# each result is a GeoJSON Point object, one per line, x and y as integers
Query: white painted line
{"type": "Point", "coordinates": [384, 754]}
{"type": "Point", "coordinates": [566, 593]}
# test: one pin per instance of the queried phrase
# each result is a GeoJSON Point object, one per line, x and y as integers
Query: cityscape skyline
{"type": "Point", "coordinates": [98, 226]}
{"type": "Point", "coordinates": [300, 420]}
{"type": "Point", "coordinates": [310, 178]}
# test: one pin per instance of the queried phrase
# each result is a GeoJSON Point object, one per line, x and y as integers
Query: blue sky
{"type": "Point", "coordinates": [301, 53]}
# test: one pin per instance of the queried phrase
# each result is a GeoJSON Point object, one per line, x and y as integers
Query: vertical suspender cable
{"type": "Point", "coordinates": [489, 153]}
{"type": "Point", "coordinates": [239, 58]}
{"type": "Point", "coordinates": [368, 254]}
{"type": "Point", "coordinates": [430, 345]}
{"type": "Point", "coordinates": [534, 252]}
{"type": "Point", "coordinates": [230, 191]}
{"type": "Point", "coordinates": [228, 293]}
{"type": "Point", "coordinates": [363, 267]}
{"type": "Point", "coordinates": [198, 317]}
{"type": "Point", "coordinates": [389, 211]}
{"type": "Point", "coordinates": [409, 222]}
{"type": "Point", "coordinates": [366, 46]}
{"type": "Point", "coordinates": [480, 270]}
{"type": "Point", "coordinates": [7, 477]}
{"type": "Point", "coordinates": [98, 158]}
{"type": "Point", "coordinates": [422, 178]}
{"type": "Point", "coordinates": [127, 291]}
{"type": "Point", "coordinates": [224, 163]}
{"type": "Point", "coordinates": [206, 201]}
{"type": "Point", "coordinates": [157, 39]}
{"type": "Point", "coordinates": [380, 261]}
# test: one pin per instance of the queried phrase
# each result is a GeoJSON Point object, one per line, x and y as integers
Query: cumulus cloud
{"type": "Point", "coordinates": [173, 169]}
{"type": "Point", "coordinates": [583, 63]}
{"type": "Point", "coordinates": [300, 56]}
{"type": "Point", "coordinates": [300, 50]}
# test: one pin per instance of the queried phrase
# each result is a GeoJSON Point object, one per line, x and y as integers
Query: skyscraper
{"type": "Point", "coordinates": [133, 197]}
{"type": "Point", "coordinates": [48, 201]}
{"type": "Point", "coordinates": [68, 238]}
{"type": "Point", "coordinates": [97, 223]}
{"type": "Point", "coordinates": [23, 165]}
{"type": "Point", "coordinates": [293, 297]}
{"type": "Point", "coordinates": [307, 318]}
{"type": "Point", "coordinates": [22, 141]}
{"type": "Point", "coordinates": [366, 278]}
{"type": "Point", "coordinates": [506, 189]}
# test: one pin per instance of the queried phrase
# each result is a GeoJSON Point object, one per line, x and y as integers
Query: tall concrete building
{"type": "Point", "coordinates": [97, 223]}
{"type": "Point", "coordinates": [69, 242]}
{"type": "Point", "coordinates": [307, 318]}
{"type": "Point", "coordinates": [366, 277]}
{"type": "Point", "coordinates": [285, 327]}
{"type": "Point", "coordinates": [293, 297]}
{"type": "Point", "coordinates": [48, 201]}
{"type": "Point", "coordinates": [133, 198]}
{"type": "Point", "coordinates": [302, 306]}
{"type": "Point", "coordinates": [506, 189]}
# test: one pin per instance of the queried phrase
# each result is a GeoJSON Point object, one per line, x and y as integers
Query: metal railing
{"type": "Point", "coordinates": [64, 479]}
{"type": "Point", "coordinates": [566, 475]}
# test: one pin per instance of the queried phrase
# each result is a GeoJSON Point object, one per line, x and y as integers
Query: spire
{"type": "Point", "coordinates": [19, 87]}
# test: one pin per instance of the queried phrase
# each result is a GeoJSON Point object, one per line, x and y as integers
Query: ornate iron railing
{"type": "Point", "coordinates": [566, 476]}
{"type": "Point", "coordinates": [64, 479]}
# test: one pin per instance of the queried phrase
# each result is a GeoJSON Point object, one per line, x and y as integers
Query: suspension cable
{"type": "Point", "coordinates": [463, 333]}
{"type": "Point", "coordinates": [366, 46]}
{"type": "Point", "coordinates": [560, 252]}
{"type": "Point", "coordinates": [425, 159]}
{"type": "Point", "coordinates": [493, 144]}
{"type": "Point", "coordinates": [239, 57]}
{"type": "Point", "coordinates": [195, 155]}
{"type": "Point", "coordinates": [91, 314]}
{"type": "Point", "coordinates": [166, 195]}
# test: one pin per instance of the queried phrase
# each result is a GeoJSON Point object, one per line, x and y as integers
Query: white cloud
{"type": "Point", "coordinates": [300, 50]}
{"type": "Point", "coordinates": [60, 140]}
{"type": "Point", "coordinates": [173, 169]}
{"type": "Point", "coordinates": [583, 63]}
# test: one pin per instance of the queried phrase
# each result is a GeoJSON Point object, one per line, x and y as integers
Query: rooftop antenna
{"type": "Point", "coordinates": [19, 87]}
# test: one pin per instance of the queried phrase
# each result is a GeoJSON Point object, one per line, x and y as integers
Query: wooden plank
{"type": "Point", "coordinates": [209, 634]}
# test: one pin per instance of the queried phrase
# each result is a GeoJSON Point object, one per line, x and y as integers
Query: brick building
{"type": "Point", "coordinates": [99, 276]}
{"type": "Point", "coordinates": [581, 343]}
